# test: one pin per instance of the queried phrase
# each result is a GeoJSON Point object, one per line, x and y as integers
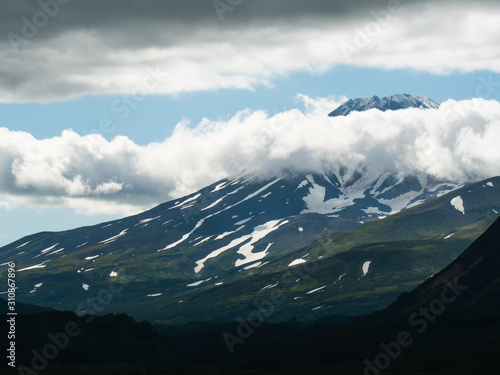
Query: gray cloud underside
{"type": "Point", "coordinates": [126, 14]}
{"type": "Point", "coordinates": [107, 47]}
{"type": "Point", "coordinates": [458, 141]}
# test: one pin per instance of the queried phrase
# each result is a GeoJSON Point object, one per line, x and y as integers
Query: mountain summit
{"type": "Point", "coordinates": [393, 102]}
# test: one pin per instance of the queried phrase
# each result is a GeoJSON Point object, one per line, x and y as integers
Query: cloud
{"type": "Point", "coordinates": [458, 142]}
{"type": "Point", "coordinates": [95, 47]}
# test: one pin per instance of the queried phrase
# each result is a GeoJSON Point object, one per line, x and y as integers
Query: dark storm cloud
{"type": "Point", "coordinates": [157, 20]}
{"type": "Point", "coordinates": [61, 49]}
{"type": "Point", "coordinates": [113, 13]}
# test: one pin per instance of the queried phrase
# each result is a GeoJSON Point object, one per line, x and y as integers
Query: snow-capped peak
{"type": "Point", "coordinates": [393, 102]}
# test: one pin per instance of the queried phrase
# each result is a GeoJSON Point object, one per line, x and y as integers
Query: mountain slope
{"type": "Point", "coordinates": [474, 277]}
{"type": "Point", "coordinates": [233, 217]}
{"type": "Point", "coordinates": [393, 103]}
{"type": "Point", "coordinates": [462, 340]}
{"type": "Point", "coordinates": [334, 265]}
{"type": "Point", "coordinates": [162, 285]}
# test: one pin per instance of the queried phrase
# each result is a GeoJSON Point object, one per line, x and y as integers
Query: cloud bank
{"type": "Point", "coordinates": [458, 141]}
{"type": "Point", "coordinates": [54, 50]}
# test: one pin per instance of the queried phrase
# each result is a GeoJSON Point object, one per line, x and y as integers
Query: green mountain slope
{"type": "Point", "coordinates": [403, 250]}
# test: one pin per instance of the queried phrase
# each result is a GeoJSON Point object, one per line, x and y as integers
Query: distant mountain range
{"type": "Point", "coordinates": [393, 103]}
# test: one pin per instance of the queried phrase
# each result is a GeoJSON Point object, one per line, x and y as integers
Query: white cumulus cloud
{"type": "Point", "coordinates": [458, 141]}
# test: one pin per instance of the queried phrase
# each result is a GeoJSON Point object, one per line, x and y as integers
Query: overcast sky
{"type": "Point", "coordinates": [96, 47]}
{"type": "Point", "coordinates": [110, 107]}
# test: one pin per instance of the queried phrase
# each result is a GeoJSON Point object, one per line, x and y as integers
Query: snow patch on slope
{"type": "Point", "coordinates": [24, 244]}
{"type": "Point", "coordinates": [114, 238]}
{"type": "Point", "coordinates": [183, 238]}
{"type": "Point", "coordinates": [48, 249]}
{"type": "Point", "coordinates": [143, 221]}
{"type": "Point", "coordinates": [254, 265]}
{"type": "Point", "coordinates": [225, 234]}
{"type": "Point", "coordinates": [458, 203]}
{"type": "Point", "coordinates": [199, 282]}
{"type": "Point", "coordinates": [154, 295]}
{"type": "Point", "coordinates": [258, 233]}
{"type": "Point", "coordinates": [296, 262]}
{"type": "Point", "coordinates": [41, 265]}
{"type": "Point", "coordinates": [241, 222]}
{"type": "Point", "coordinates": [366, 267]}
{"type": "Point", "coordinates": [188, 200]}
{"type": "Point", "coordinates": [316, 290]}
{"type": "Point", "coordinates": [219, 186]}
{"type": "Point", "coordinates": [213, 204]}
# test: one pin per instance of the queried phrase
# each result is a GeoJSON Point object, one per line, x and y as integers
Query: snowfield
{"type": "Point", "coordinates": [458, 203]}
